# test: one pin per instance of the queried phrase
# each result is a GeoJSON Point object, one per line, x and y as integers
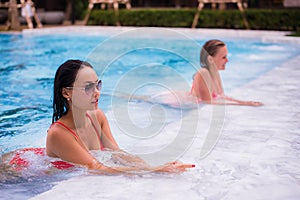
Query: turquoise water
{"type": "Point", "coordinates": [28, 65]}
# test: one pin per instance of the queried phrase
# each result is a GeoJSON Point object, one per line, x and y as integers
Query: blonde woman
{"type": "Point", "coordinates": [207, 85]}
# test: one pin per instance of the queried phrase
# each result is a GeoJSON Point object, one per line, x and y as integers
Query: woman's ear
{"type": "Point", "coordinates": [210, 59]}
{"type": "Point", "coordinates": [66, 93]}
{"type": "Point", "coordinates": [211, 62]}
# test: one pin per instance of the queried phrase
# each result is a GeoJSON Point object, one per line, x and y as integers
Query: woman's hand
{"type": "Point", "coordinates": [174, 167]}
{"type": "Point", "coordinates": [240, 102]}
{"type": "Point", "coordinates": [254, 103]}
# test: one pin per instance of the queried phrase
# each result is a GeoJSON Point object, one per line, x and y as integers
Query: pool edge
{"type": "Point", "coordinates": [265, 36]}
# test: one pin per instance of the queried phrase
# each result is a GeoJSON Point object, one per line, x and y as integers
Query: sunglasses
{"type": "Point", "coordinates": [90, 88]}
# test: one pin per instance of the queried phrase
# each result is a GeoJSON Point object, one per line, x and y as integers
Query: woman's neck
{"type": "Point", "coordinates": [76, 119]}
{"type": "Point", "coordinates": [215, 75]}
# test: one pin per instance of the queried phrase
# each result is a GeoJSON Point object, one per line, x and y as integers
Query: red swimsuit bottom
{"type": "Point", "coordinates": [19, 163]}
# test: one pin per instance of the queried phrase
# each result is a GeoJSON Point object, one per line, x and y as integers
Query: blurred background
{"type": "Point", "coordinates": [257, 15]}
{"type": "Point", "coordinates": [62, 4]}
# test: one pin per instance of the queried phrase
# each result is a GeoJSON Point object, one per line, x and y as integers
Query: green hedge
{"type": "Point", "coordinates": [284, 19]}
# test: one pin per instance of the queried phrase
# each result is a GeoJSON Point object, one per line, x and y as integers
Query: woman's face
{"type": "Point", "coordinates": [220, 59]}
{"type": "Point", "coordinates": [85, 93]}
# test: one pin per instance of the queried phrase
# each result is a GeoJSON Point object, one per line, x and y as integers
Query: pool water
{"type": "Point", "coordinates": [131, 66]}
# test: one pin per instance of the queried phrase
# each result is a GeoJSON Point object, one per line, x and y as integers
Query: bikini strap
{"type": "Point", "coordinates": [66, 127]}
{"type": "Point", "coordinates": [192, 88]}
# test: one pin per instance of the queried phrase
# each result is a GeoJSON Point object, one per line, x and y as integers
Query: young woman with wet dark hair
{"type": "Point", "coordinates": [79, 126]}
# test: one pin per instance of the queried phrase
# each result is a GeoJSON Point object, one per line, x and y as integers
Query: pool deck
{"type": "Point", "coordinates": [256, 157]}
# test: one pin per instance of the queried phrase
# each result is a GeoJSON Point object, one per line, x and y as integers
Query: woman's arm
{"type": "Point", "coordinates": [203, 90]}
{"type": "Point", "coordinates": [106, 136]}
{"type": "Point", "coordinates": [68, 149]}
{"type": "Point", "coordinates": [173, 167]}
{"type": "Point", "coordinates": [202, 85]}
{"type": "Point", "coordinates": [62, 144]}
{"type": "Point", "coordinates": [233, 101]}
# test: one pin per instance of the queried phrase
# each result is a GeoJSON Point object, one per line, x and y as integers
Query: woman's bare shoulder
{"type": "Point", "coordinates": [56, 135]}
{"type": "Point", "coordinates": [100, 113]}
{"type": "Point", "coordinates": [56, 130]}
{"type": "Point", "coordinates": [201, 73]}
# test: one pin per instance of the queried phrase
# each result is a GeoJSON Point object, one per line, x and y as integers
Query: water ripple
{"type": "Point", "coordinates": [10, 68]}
{"type": "Point", "coordinates": [12, 120]}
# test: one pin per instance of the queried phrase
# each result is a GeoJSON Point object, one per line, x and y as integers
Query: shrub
{"type": "Point", "coordinates": [262, 19]}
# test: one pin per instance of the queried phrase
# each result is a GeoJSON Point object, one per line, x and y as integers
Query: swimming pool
{"type": "Point", "coordinates": [139, 62]}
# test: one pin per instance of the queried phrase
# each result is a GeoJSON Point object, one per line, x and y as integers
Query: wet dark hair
{"type": "Point", "coordinates": [210, 48]}
{"type": "Point", "coordinates": [65, 76]}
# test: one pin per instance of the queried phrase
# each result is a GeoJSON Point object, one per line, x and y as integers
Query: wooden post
{"type": "Point", "coordinates": [240, 6]}
{"type": "Point", "coordinates": [87, 16]}
{"type": "Point", "coordinates": [114, 3]}
{"type": "Point", "coordinates": [196, 18]}
{"type": "Point", "coordinates": [213, 2]}
{"type": "Point", "coordinates": [68, 10]}
{"type": "Point", "coordinates": [116, 9]}
{"type": "Point", "coordinates": [14, 23]}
